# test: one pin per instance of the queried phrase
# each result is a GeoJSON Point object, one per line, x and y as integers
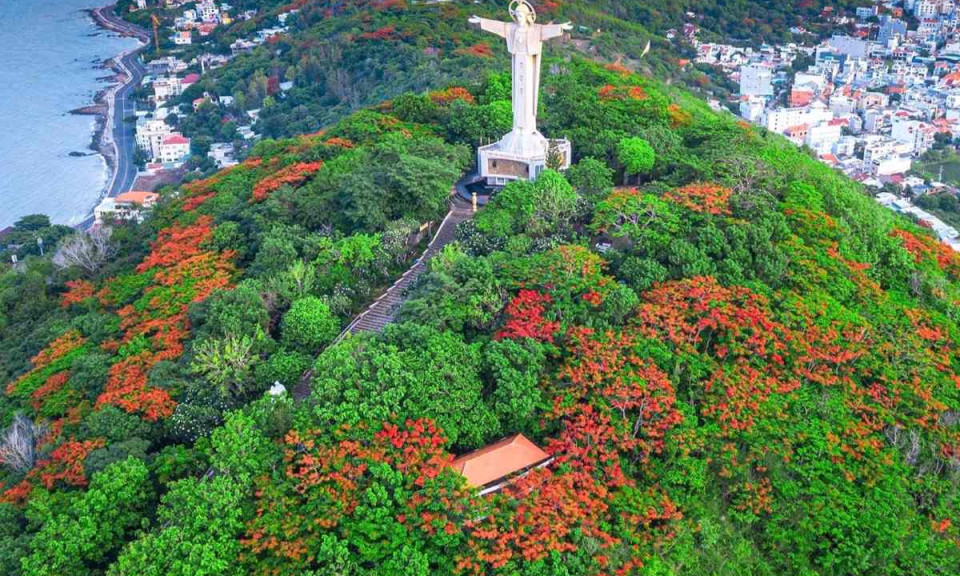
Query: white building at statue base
{"type": "Point", "coordinates": [524, 157]}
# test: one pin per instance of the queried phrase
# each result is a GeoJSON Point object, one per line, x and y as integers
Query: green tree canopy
{"type": "Point", "coordinates": [635, 155]}
{"type": "Point", "coordinates": [414, 371]}
{"type": "Point", "coordinates": [309, 325]}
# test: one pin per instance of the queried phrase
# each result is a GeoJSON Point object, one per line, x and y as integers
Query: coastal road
{"type": "Point", "coordinates": [123, 132]}
{"type": "Point", "coordinates": [121, 135]}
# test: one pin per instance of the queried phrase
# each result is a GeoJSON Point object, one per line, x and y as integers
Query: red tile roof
{"type": "Point", "coordinates": [799, 98]}
{"type": "Point", "coordinates": [798, 129]}
{"type": "Point", "coordinates": [176, 139]}
{"type": "Point", "coordinates": [499, 460]}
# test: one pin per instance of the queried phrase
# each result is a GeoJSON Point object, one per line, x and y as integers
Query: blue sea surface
{"type": "Point", "coordinates": [50, 51]}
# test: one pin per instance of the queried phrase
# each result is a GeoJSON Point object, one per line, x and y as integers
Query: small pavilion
{"type": "Point", "coordinates": [492, 467]}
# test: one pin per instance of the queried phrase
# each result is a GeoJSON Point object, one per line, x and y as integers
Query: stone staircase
{"type": "Point", "coordinates": [384, 309]}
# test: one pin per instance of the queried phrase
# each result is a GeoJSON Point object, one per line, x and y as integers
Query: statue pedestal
{"type": "Point", "coordinates": [519, 156]}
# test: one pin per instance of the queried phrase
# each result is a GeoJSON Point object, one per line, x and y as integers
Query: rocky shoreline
{"type": "Point", "coordinates": [103, 102]}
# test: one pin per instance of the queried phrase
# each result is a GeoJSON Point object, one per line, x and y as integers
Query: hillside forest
{"type": "Point", "coordinates": [740, 363]}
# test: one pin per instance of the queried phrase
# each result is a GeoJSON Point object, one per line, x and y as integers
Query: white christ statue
{"type": "Point", "coordinates": [525, 43]}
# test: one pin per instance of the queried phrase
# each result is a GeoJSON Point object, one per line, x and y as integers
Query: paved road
{"type": "Point", "coordinates": [122, 133]}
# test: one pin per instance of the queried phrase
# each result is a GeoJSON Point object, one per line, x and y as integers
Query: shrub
{"type": "Point", "coordinates": [309, 325]}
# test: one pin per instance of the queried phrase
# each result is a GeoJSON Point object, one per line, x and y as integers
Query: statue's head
{"type": "Point", "coordinates": [522, 12]}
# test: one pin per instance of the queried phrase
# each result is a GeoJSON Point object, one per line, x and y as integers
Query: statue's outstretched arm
{"type": "Point", "coordinates": [495, 26]}
{"type": "Point", "coordinates": [548, 31]}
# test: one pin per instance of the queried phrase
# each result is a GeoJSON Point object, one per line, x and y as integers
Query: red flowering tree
{"type": "Point", "coordinates": [77, 292]}
{"type": "Point", "coordinates": [64, 466]}
{"type": "Point", "coordinates": [726, 337]}
{"type": "Point", "coordinates": [626, 393]}
{"type": "Point", "coordinates": [178, 242]}
{"type": "Point", "coordinates": [326, 487]}
{"type": "Point", "coordinates": [573, 276]}
{"type": "Point", "coordinates": [525, 318]}
{"type": "Point", "coordinates": [294, 175]}
{"type": "Point", "coordinates": [926, 248]}
{"type": "Point", "coordinates": [705, 198]}
{"type": "Point", "coordinates": [450, 94]}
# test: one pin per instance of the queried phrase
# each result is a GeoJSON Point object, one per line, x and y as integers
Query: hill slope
{"type": "Point", "coordinates": [341, 56]}
{"type": "Point", "coordinates": [738, 361]}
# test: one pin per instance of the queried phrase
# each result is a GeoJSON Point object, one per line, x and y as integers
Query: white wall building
{"type": "Point", "coordinates": [890, 165]}
{"type": "Point", "coordinates": [919, 135]}
{"type": "Point", "coordinates": [926, 9]}
{"type": "Point", "coordinates": [756, 80]}
{"type": "Point", "coordinates": [840, 104]}
{"type": "Point", "coordinates": [822, 137]}
{"type": "Point", "coordinates": [846, 146]}
{"type": "Point", "coordinates": [814, 82]}
{"type": "Point", "coordinates": [174, 149]}
{"type": "Point", "coordinates": [782, 118]}
{"type": "Point", "coordinates": [874, 120]}
{"type": "Point", "coordinates": [208, 11]}
{"type": "Point", "coordinates": [878, 148]}
{"type": "Point", "coordinates": [223, 154]}
{"type": "Point", "coordinates": [166, 88]}
{"type": "Point", "coordinates": [126, 206]}
{"type": "Point", "coordinates": [150, 134]}
{"type": "Point", "coordinates": [752, 109]}
{"type": "Point", "coordinates": [849, 46]}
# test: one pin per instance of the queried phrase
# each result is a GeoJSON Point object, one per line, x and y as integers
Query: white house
{"type": "Point", "coordinates": [126, 206]}
{"type": "Point", "coordinates": [841, 104]}
{"type": "Point", "coordinates": [751, 109]}
{"type": "Point", "coordinates": [849, 46]}
{"type": "Point", "coordinates": [208, 11]}
{"type": "Point", "coordinates": [890, 165]}
{"type": "Point", "coordinates": [926, 9]}
{"type": "Point", "coordinates": [174, 149]}
{"type": "Point", "coordinates": [222, 153]}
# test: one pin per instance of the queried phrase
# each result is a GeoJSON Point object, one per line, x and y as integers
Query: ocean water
{"type": "Point", "coordinates": [49, 56]}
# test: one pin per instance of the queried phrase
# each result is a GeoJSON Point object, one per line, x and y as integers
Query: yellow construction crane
{"type": "Point", "coordinates": [156, 37]}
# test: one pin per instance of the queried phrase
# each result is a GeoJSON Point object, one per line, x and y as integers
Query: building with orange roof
{"type": "Point", "coordinates": [125, 207]}
{"type": "Point", "coordinates": [797, 133]}
{"type": "Point", "coordinates": [800, 98]}
{"type": "Point", "coordinates": [140, 197]}
{"type": "Point", "coordinates": [492, 467]}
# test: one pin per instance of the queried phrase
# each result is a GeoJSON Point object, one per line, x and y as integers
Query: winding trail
{"type": "Point", "coordinates": [384, 309]}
